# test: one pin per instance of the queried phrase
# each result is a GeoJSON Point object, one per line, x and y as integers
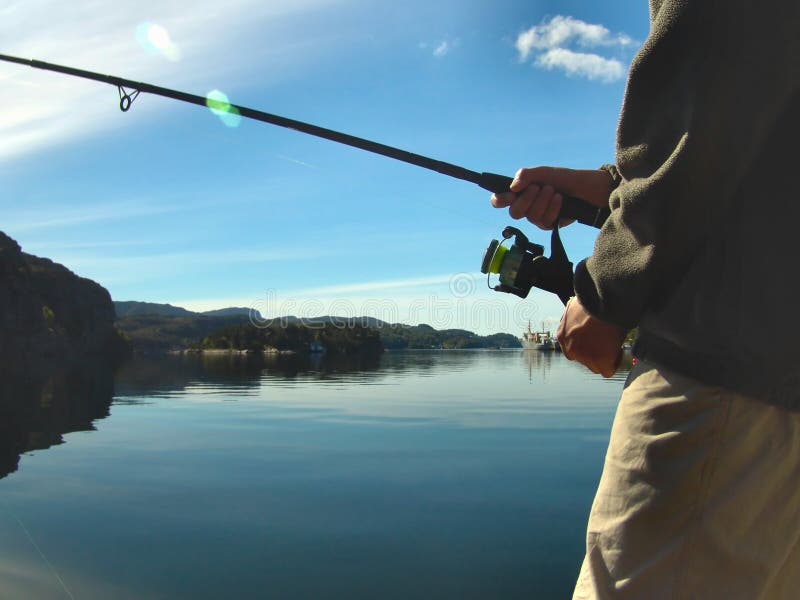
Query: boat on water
{"type": "Point", "coordinates": [539, 340]}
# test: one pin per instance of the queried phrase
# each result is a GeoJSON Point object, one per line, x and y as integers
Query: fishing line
{"type": "Point", "coordinates": [39, 550]}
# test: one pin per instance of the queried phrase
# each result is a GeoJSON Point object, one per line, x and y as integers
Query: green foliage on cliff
{"type": "Point", "coordinates": [49, 315]}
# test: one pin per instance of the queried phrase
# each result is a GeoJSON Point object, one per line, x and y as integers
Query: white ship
{"type": "Point", "coordinates": [538, 340]}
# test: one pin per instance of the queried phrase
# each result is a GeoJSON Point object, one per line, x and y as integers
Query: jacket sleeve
{"type": "Point", "coordinates": [703, 92]}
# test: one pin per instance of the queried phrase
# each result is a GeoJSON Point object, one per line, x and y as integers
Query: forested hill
{"type": "Point", "coordinates": [349, 335]}
{"type": "Point", "coordinates": [396, 337]}
{"type": "Point", "coordinates": [163, 327]}
{"type": "Point", "coordinates": [138, 309]}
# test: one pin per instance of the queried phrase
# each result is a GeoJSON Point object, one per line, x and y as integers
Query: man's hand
{"type": "Point", "coordinates": [533, 192]}
{"type": "Point", "coordinates": [592, 342]}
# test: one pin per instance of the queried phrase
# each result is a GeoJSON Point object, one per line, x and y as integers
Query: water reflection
{"type": "Point", "coordinates": [247, 374]}
{"type": "Point", "coordinates": [304, 478]}
{"type": "Point", "coordinates": [537, 362]}
{"type": "Point", "coordinates": [539, 365]}
{"type": "Point", "coordinates": [37, 409]}
{"type": "Point", "coordinates": [235, 374]}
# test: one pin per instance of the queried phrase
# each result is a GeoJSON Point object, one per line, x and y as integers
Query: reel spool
{"type": "Point", "coordinates": [523, 266]}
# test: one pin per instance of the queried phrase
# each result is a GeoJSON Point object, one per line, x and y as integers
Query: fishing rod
{"type": "Point", "coordinates": [516, 282]}
{"type": "Point", "coordinates": [572, 208]}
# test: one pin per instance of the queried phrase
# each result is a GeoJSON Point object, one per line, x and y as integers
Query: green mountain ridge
{"type": "Point", "coordinates": [134, 308]}
{"type": "Point", "coordinates": [154, 328]}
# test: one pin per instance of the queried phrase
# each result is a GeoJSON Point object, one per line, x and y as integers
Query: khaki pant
{"type": "Point", "coordinates": [699, 497]}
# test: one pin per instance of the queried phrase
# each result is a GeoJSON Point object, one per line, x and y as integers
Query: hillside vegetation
{"type": "Point", "coordinates": [163, 327]}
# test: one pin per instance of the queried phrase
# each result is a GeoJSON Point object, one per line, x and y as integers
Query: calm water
{"type": "Point", "coordinates": [418, 475]}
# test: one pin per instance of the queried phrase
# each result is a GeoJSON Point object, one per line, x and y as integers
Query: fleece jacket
{"type": "Point", "coordinates": [701, 248]}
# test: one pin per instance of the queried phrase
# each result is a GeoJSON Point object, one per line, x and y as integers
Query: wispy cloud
{"type": "Point", "coordinates": [182, 260]}
{"type": "Point", "coordinates": [136, 269]}
{"type": "Point", "coordinates": [41, 109]}
{"type": "Point", "coordinates": [349, 291]}
{"type": "Point", "coordinates": [35, 247]}
{"type": "Point", "coordinates": [560, 43]}
{"type": "Point", "coordinates": [295, 161]}
{"type": "Point", "coordinates": [20, 222]}
{"type": "Point", "coordinates": [373, 286]}
{"type": "Point", "coordinates": [441, 48]}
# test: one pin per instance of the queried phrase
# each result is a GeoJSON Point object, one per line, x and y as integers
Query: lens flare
{"type": "Point", "coordinates": [219, 104]}
{"type": "Point", "coordinates": [159, 37]}
{"type": "Point", "coordinates": [155, 39]}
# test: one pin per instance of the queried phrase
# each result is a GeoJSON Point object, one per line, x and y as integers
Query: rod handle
{"type": "Point", "coordinates": [571, 207]}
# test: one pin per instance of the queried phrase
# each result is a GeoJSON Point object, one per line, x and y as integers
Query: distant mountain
{"type": "Point", "coordinates": [232, 311]}
{"type": "Point", "coordinates": [345, 335]}
{"type": "Point", "coordinates": [126, 309]}
{"type": "Point", "coordinates": [152, 334]}
{"type": "Point", "coordinates": [401, 337]}
{"type": "Point", "coordinates": [155, 327]}
{"type": "Point", "coordinates": [337, 321]}
{"type": "Point", "coordinates": [140, 309]}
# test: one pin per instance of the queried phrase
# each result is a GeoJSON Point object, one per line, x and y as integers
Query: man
{"type": "Point", "coordinates": [700, 492]}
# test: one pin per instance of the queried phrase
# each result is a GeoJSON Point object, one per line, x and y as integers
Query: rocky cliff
{"type": "Point", "coordinates": [50, 315]}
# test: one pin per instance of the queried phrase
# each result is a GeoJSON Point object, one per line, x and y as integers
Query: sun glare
{"type": "Point", "coordinates": [155, 39]}
{"type": "Point", "coordinates": [219, 104]}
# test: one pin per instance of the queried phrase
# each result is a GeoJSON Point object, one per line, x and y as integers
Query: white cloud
{"type": "Point", "coordinates": [561, 31]}
{"type": "Point", "coordinates": [552, 44]}
{"type": "Point", "coordinates": [42, 109]}
{"type": "Point", "coordinates": [442, 48]}
{"type": "Point", "coordinates": [580, 64]}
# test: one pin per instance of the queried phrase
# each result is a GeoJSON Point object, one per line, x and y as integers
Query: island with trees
{"type": "Point", "coordinates": [164, 328]}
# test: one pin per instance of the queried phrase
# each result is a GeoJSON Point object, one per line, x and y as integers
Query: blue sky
{"type": "Point", "coordinates": [166, 203]}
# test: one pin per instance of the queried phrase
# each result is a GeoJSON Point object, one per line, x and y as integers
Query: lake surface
{"type": "Point", "coordinates": [442, 474]}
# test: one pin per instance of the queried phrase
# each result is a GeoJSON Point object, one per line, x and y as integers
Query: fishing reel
{"type": "Point", "coordinates": [523, 265]}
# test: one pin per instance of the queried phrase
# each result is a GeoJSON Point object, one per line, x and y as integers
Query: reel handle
{"type": "Point", "coordinates": [571, 207]}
